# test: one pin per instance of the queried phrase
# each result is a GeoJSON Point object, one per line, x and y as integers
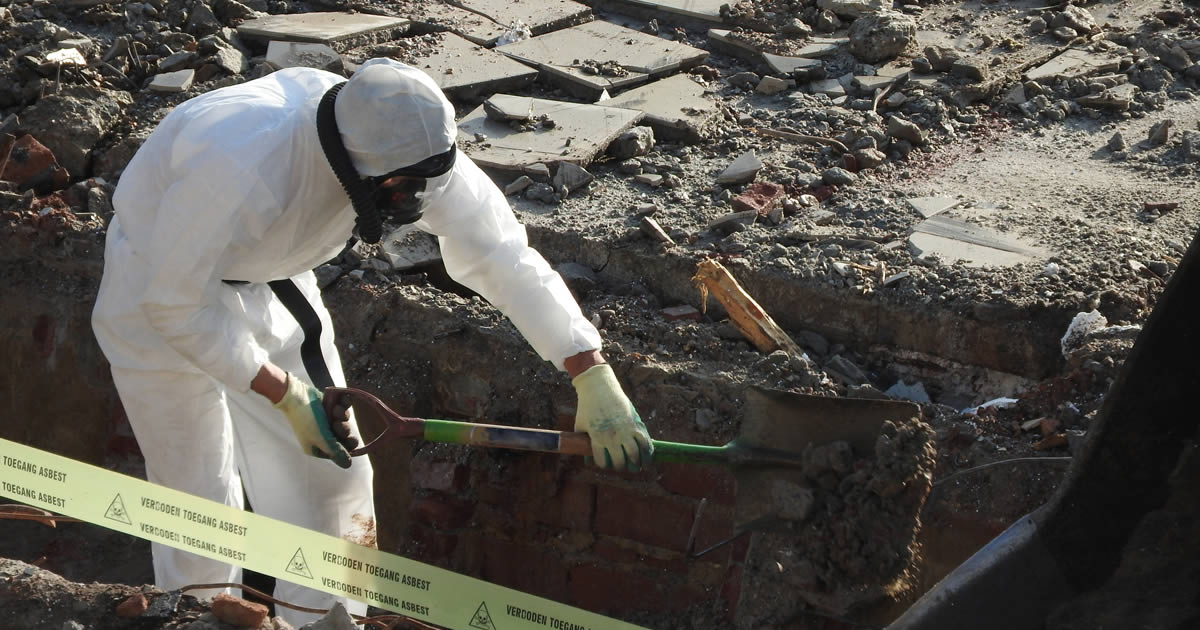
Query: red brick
{"type": "Point", "coordinates": [525, 568]}
{"type": "Point", "coordinates": [712, 530]}
{"type": "Point", "coordinates": [443, 476]}
{"type": "Point", "coordinates": [604, 589]}
{"type": "Point", "coordinates": [43, 335]}
{"type": "Point", "coordinates": [731, 592]}
{"type": "Point", "coordinates": [440, 511]}
{"type": "Point", "coordinates": [28, 160]}
{"type": "Point", "coordinates": [621, 552]}
{"type": "Point", "coordinates": [761, 197]}
{"type": "Point", "coordinates": [238, 612]}
{"type": "Point", "coordinates": [699, 481]}
{"type": "Point", "coordinates": [497, 520]}
{"type": "Point", "coordinates": [133, 606]}
{"type": "Point", "coordinates": [573, 507]}
{"type": "Point", "coordinates": [660, 521]}
{"type": "Point", "coordinates": [432, 545]}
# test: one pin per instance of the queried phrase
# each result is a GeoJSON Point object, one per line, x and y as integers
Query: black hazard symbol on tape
{"type": "Point", "coordinates": [116, 511]}
{"type": "Point", "coordinates": [298, 565]}
{"type": "Point", "coordinates": [482, 618]}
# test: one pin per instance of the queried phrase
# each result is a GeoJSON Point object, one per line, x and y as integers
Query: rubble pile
{"type": "Point", "coordinates": [924, 170]}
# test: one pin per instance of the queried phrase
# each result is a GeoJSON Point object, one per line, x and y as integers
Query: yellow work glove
{"type": "Point", "coordinates": [619, 439]}
{"type": "Point", "coordinates": [301, 404]}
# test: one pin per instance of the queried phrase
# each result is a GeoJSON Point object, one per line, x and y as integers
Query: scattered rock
{"type": "Point", "coordinates": [178, 81]}
{"type": "Point", "coordinates": [742, 170]}
{"type": "Point", "coordinates": [73, 121]}
{"type": "Point", "coordinates": [771, 85]}
{"type": "Point", "coordinates": [744, 80]}
{"type": "Point", "coordinates": [854, 8]}
{"type": "Point", "coordinates": [971, 69]}
{"type": "Point", "coordinates": [881, 36]}
{"type": "Point", "coordinates": [905, 130]}
{"type": "Point", "coordinates": [571, 176]}
{"type": "Point", "coordinates": [637, 141]}
{"type": "Point", "coordinates": [518, 185]}
{"type": "Point", "coordinates": [1160, 133]}
{"type": "Point", "coordinates": [838, 176]}
{"type": "Point", "coordinates": [761, 197]}
{"type": "Point", "coordinates": [869, 158]}
{"type": "Point", "coordinates": [238, 612]}
{"type": "Point", "coordinates": [1078, 19]}
{"type": "Point", "coordinates": [1117, 142]}
{"type": "Point", "coordinates": [844, 371]}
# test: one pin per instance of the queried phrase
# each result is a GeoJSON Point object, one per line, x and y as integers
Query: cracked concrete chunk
{"type": "Point", "coordinates": [409, 248]}
{"type": "Point", "coordinates": [742, 170]}
{"type": "Point", "coordinates": [301, 55]}
{"type": "Point", "coordinates": [321, 28]}
{"type": "Point", "coordinates": [466, 71]}
{"type": "Point", "coordinates": [590, 58]}
{"type": "Point", "coordinates": [930, 206]}
{"type": "Point", "coordinates": [975, 245]}
{"type": "Point", "coordinates": [675, 107]}
{"type": "Point", "coordinates": [830, 87]}
{"type": "Point", "coordinates": [1072, 64]}
{"type": "Point", "coordinates": [854, 8]}
{"type": "Point", "coordinates": [580, 131]}
{"type": "Point", "coordinates": [178, 81]}
{"type": "Point", "coordinates": [788, 65]}
{"type": "Point", "coordinates": [571, 176]}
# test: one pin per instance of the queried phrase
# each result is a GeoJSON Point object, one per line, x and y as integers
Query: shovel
{"type": "Point", "coordinates": [767, 455]}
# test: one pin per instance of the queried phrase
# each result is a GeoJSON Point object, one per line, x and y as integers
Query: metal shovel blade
{"type": "Point", "coordinates": [790, 422]}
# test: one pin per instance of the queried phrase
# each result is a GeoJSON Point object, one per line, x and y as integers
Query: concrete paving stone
{"type": "Point", "coordinates": [505, 107]}
{"type": "Point", "coordinates": [820, 47]}
{"type": "Point", "coordinates": [1072, 64]}
{"type": "Point", "coordinates": [642, 55]}
{"type": "Point", "coordinates": [178, 81]}
{"type": "Point", "coordinates": [831, 87]}
{"type": "Point", "coordinates": [539, 16]}
{"type": "Point", "coordinates": [893, 71]}
{"type": "Point", "coordinates": [706, 10]}
{"type": "Point", "coordinates": [871, 83]}
{"type": "Point", "coordinates": [465, 70]}
{"type": "Point", "coordinates": [675, 107]}
{"type": "Point", "coordinates": [977, 246]}
{"type": "Point", "coordinates": [409, 248]}
{"type": "Point", "coordinates": [321, 28]}
{"type": "Point", "coordinates": [742, 170]}
{"type": "Point", "coordinates": [580, 131]}
{"type": "Point", "coordinates": [303, 55]}
{"type": "Point", "coordinates": [788, 65]}
{"type": "Point", "coordinates": [929, 206]}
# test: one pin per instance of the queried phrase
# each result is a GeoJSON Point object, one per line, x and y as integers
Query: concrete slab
{"type": "Point", "coordinates": [869, 84]}
{"type": "Point", "coordinates": [975, 245]}
{"type": "Point", "coordinates": [831, 87]}
{"type": "Point", "coordinates": [1072, 64]}
{"type": "Point", "coordinates": [930, 206]}
{"type": "Point", "coordinates": [321, 28]}
{"type": "Point", "coordinates": [820, 47]}
{"type": "Point", "coordinates": [580, 131]}
{"type": "Point", "coordinates": [539, 16]}
{"type": "Point", "coordinates": [675, 107]}
{"type": "Point", "coordinates": [560, 56]}
{"type": "Point", "coordinates": [505, 107]}
{"type": "Point", "coordinates": [304, 55]}
{"type": "Point", "coordinates": [465, 70]}
{"type": "Point", "coordinates": [707, 10]}
{"type": "Point", "coordinates": [409, 248]}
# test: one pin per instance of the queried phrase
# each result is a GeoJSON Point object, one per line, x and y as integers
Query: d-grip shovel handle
{"type": "Point", "coordinates": [452, 432]}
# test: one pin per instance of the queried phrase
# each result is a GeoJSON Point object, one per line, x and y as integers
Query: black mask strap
{"type": "Point", "coordinates": [362, 194]}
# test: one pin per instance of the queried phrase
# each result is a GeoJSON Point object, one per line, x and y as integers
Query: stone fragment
{"type": "Point", "coordinates": [792, 501]}
{"type": "Point", "coordinates": [30, 163]}
{"type": "Point", "coordinates": [742, 170]}
{"type": "Point", "coordinates": [653, 180]}
{"type": "Point", "coordinates": [176, 61]}
{"type": "Point", "coordinates": [760, 197]}
{"type": "Point", "coordinates": [1174, 57]}
{"type": "Point", "coordinates": [178, 81]}
{"type": "Point", "coordinates": [409, 248]}
{"type": "Point", "coordinates": [930, 206]}
{"type": "Point", "coordinates": [746, 80]}
{"type": "Point", "coordinates": [771, 85]}
{"type": "Point", "coordinates": [1117, 142]}
{"type": "Point", "coordinates": [977, 246]}
{"type": "Point", "coordinates": [238, 612]}
{"type": "Point", "coordinates": [1160, 133]}
{"type": "Point", "coordinates": [683, 311]}
{"type": "Point", "coordinates": [827, 21]}
{"type": "Point", "coordinates": [632, 143]}
{"type": "Point", "coordinates": [903, 391]}
{"type": "Point", "coordinates": [830, 87]}
{"type": "Point", "coordinates": [1065, 34]}
{"type": "Point", "coordinates": [838, 176]}
{"type": "Point", "coordinates": [133, 605]}
{"type": "Point", "coordinates": [792, 66]}
{"type": "Point", "coordinates": [905, 130]}
{"type": "Point", "coordinates": [732, 222]}
{"type": "Point", "coordinates": [571, 176]}
{"type": "Point", "coordinates": [282, 54]}
{"type": "Point", "coordinates": [231, 60]}
{"type": "Point", "coordinates": [869, 158]}
{"type": "Point", "coordinates": [336, 619]}
{"type": "Point", "coordinates": [970, 68]}
{"type": "Point", "coordinates": [941, 59]}
{"type": "Point", "coordinates": [1076, 18]}
{"type": "Point", "coordinates": [845, 371]}
{"type": "Point", "coordinates": [517, 185]}
{"type": "Point", "coordinates": [881, 36]}
{"type": "Point", "coordinates": [540, 192]}
{"type": "Point", "coordinates": [1073, 63]}
{"type": "Point", "coordinates": [202, 21]}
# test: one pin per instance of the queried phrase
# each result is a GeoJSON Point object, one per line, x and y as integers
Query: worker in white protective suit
{"type": "Point", "coordinates": [212, 320]}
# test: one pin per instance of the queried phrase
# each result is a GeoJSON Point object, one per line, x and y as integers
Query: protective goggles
{"type": "Point", "coordinates": [411, 188]}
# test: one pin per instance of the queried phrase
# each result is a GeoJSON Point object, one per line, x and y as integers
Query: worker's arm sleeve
{"type": "Point", "coordinates": [485, 248]}
{"type": "Point", "coordinates": [199, 218]}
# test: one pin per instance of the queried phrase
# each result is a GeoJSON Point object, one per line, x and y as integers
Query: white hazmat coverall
{"type": "Point", "coordinates": [233, 184]}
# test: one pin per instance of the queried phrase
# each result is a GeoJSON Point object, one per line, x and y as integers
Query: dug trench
{"type": "Point", "coordinates": [616, 543]}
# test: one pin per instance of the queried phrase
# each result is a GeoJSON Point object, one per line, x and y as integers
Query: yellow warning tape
{"type": "Point", "coordinates": [279, 549]}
